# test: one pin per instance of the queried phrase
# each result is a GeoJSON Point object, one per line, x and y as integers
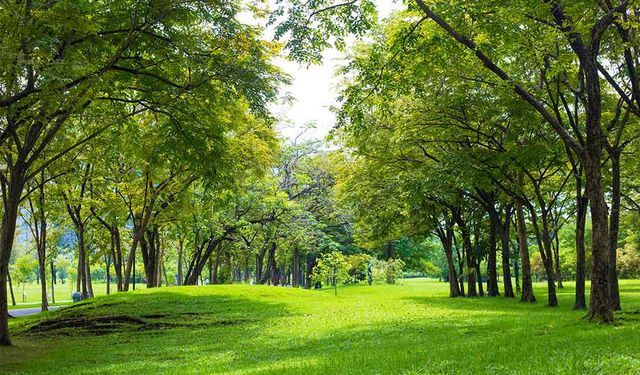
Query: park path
{"type": "Point", "coordinates": [24, 312]}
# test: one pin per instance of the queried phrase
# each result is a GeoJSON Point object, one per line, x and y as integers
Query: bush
{"type": "Point", "coordinates": [628, 262]}
{"type": "Point", "coordinates": [393, 270]}
{"type": "Point", "coordinates": [387, 271]}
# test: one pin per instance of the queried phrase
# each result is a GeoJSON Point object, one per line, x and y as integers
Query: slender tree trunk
{"type": "Point", "coordinates": [506, 262]}
{"type": "Point", "coordinates": [600, 307]}
{"type": "Point", "coordinates": [131, 258]}
{"type": "Point", "coordinates": [82, 269]}
{"type": "Point", "coordinates": [180, 250]}
{"type": "Point", "coordinates": [311, 263]}
{"type": "Point", "coordinates": [468, 250]}
{"type": "Point", "coordinates": [53, 282]}
{"type": "Point", "coordinates": [12, 199]}
{"type": "Point", "coordinates": [79, 277]}
{"type": "Point", "coordinates": [460, 265]}
{"type": "Point", "coordinates": [447, 244]}
{"type": "Point", "coordinates": [148, 251]}
{"type": "Point", "coordinates": [296, 269]}
{"type": "Point", "coordinates": [544, 247]}
{"type": "Point", "coordinates": [108, 275]}
{"type": "Point", "coordinates": [195, 271]}
{"type": "Point", "coordinates": [158, 260]}
{"type": "Point", "coordinates": [272, 275]}
{"type": "Point", "coordinates": [492, 272]}
{"type": "Point", "coordinates": [260, 263]}
{"type": "Point", "coordinates": [42, 267]}
{"type": "Point", "coordinates": [614, 224]}
{"type": "Point", "coordinates": [479, 278]}
{"type": "Point", "coordinates": [246, 269]}
{"type": "Point", "coordinates": [13, 296]}
{"type": "Point", "coordinates": [516, 274]}
{"type": "Point", "coordinates": [117, 258]}
{"type": "Point", "coordinates": [164, 272]}
{"type": "Point", "coordinates": [211, 278]}
{"type": "Point", "coordinates": [41, 222]}
{"type": "Point", "coordinates": [556, 255]}
{"type": "Point", "coordinates": [581, 260]}
{"type": "Point", "coordinates": [88, 276]}
{"type": "Point", "coordinates": [527, 286]}
{"type": "Point", "coordinates": [215, 264]}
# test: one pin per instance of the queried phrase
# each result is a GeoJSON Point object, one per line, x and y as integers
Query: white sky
{"type": "Point", "coordinates": [314, 89]}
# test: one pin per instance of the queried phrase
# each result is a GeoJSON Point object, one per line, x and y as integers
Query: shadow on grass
{"type": "Point", "coordinates": [129, 313]}
{"type": "Point", "coordinates": [451, 345]}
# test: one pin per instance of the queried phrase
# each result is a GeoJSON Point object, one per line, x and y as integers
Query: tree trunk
{"type": "Point", "coordinates": [117, 258]}
{"type": "Point", "coordinates": [468, 250]}
{"type": "Point", "coordinates": [311, 263]}
{"type": "Point", "coordinates": [260, 263]}
{"type": "Point", "coordinates": [246, 268]}
{"type": "Point", "coordinates": [295, 279]}
{"type": "Point", "coordinates": [614, 224]}
{"type": "Point", "coordinates": [492, 272]}
{"type": "Point", "coordinates": [131, 258]}
{"type": "Point", "coordinates": [516, 274]}
{"type": "Point", "coordinates": [479, 277]}
{"type": "Point", "coordinates": [13, 297]}
{"type": "Point", "coordinates": [503, 232]}
{"type": "Point", "coordinates": [582, 202]}
{"type": "Point", "coordinates": [195, 271]}
{"type": "Point", "coordinates": [460, 265]}
{"type": "Point", "coordinates": [7, 235]}
{"type": "Point", "coordinates": [158, 258]}
{"type": "Point", "coordinates": [148, 252]}
{"type": "Point", "coordinates": [53, 282]}
{"type": "Point", "coordinates": [41, 222]}
{"type": "Point", "coordinates": [446, 237]}
{"type": "Point", "coordinates": [82, 269]}
{"type": "Point", "coordinates": [108, 275]}
{"type": "Point", "coordinates": [87, 274]}
{"type": "Point", "coordinates": [42, 268]}
{"type": "Point", "coordinates": [544, 247]}
{"type": "Point", "coordinates": [272, 275]}
{"type": "Point", "coordinates": [215, 264]}
{"type": "Point", "coordinates": [180, 249]}
{"type": "Point", "coordinates": [556, 255]}
{"type": "Point", "coordinates": [600, 302]}
{"type": "Point", "coordinates": [527, 286]}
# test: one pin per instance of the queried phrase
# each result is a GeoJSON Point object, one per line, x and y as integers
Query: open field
{"type": "Point", "coordinates": [409, 328]}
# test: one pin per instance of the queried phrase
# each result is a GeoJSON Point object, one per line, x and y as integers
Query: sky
{"type": "Point", "coordinates": [314, 90]}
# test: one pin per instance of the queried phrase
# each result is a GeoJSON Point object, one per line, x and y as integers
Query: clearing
{"type": "Point", "coordinates": [408, 328]}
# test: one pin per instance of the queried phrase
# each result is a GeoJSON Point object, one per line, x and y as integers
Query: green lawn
{"type": "Point", "coordinates": [408, 328]}
{"type": "Point", "coordinates": [63, 293]}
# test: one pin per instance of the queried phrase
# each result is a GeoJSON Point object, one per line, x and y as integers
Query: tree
{"type": "Point", "coordinates": [332, 268]}
{"type": "Point", "coordinates": [72, 71]}
{"type": "Point", "coordinates": [571, 42]}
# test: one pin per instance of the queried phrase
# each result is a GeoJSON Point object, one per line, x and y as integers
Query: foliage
{"type": "Point", "coordinates": [332, 268]}
{"type": "Point", "coordinates": [25, 268]}
{"type": "Point", "coordinates": [628, 263]}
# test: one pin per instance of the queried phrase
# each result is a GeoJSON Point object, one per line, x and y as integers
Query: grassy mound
{"type": "Point", "coordinates": [409, 328]}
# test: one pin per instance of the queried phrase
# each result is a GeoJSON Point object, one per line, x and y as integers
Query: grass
{"type": "Point", "coordinates": [63, 293]}
{"type": "Point", "coordinates": [412, 328]}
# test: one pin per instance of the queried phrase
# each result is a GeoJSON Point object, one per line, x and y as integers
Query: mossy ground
{"type": "Point", "coordinates": [408, 328]}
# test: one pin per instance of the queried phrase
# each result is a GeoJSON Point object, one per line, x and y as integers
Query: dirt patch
{"type": "Point", "coordinates": [102, 325]}
{"type": "Point", "coordinates": [98, 325]}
